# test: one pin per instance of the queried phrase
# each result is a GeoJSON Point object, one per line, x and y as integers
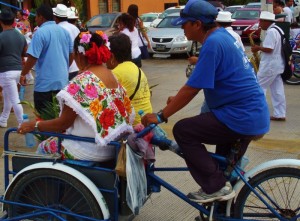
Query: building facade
{"type": "Point", "coordinates": [95, 7]}
{"type": "Point", "coordinates": [104, 6]}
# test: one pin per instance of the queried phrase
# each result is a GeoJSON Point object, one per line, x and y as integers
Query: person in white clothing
{"type": "Point", "coordinates": [61, 18]}
{"type": "Point", "coordinates": [287, 10]}
{"type": "Point", "coordinates": [272, 65]}
{"type": "Point", "coordinates": [126, 26]}
{"type": "Point", "coordinates": [224, 20]}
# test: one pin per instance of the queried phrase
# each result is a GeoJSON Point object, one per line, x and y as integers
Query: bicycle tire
{"type": "Point", "coordinates": [292, 82]}
{"type": "Point", "coordinates": [55, 189]}
{"type": "Point", "coordinates": [282, 185]}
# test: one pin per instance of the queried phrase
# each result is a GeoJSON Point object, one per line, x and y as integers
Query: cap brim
{"type": "Point", "coordinates": [179, 21]}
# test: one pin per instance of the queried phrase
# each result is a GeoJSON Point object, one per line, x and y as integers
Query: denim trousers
{"type": "Point", "coordinates": [192, 133]}
{"type": "Point", "coordinates": [9, 81]}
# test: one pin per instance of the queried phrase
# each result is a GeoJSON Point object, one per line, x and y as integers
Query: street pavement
{"type": "Point", "coordinates": [282, 141]}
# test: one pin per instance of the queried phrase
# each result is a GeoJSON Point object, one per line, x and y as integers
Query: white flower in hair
{"type": "Point", "coordinates": [81, 49]}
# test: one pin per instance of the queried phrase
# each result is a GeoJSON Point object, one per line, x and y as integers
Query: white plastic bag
{"type": "Point", "coordinates": [136, 191]}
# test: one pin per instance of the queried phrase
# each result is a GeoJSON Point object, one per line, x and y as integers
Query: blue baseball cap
{"type": "Point", "coordinates": [197, 10]}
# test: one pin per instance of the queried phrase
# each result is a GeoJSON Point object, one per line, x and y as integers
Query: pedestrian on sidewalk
{"type": "Point", "coordinates": [272, 65]}
{"type": "Point", "coordinates": [12, 48]}
{"type": "Point", "coordinates": [51, 51]}
{"type": "Point", "coordinates": [61, 18]}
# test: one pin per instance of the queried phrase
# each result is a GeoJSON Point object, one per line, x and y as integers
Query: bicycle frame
{"type": "Point", "coordinates": [154, 181]}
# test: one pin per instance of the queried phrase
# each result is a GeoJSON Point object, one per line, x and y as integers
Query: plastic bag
{"type": "Point", "coordinates": [121, 161]}
{"type": "Point", "coordinates": [136, 192]}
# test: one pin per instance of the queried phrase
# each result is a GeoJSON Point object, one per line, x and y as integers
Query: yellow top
{"type": "Point", "coordinates": [127, 74]}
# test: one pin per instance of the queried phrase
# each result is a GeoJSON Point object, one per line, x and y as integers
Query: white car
{"type": "Point", "coordinates": [167, 39]}
{"type": "Point", "coordinates": [168, 11]}
{"type": "Point", "coordinates": [148, 18]}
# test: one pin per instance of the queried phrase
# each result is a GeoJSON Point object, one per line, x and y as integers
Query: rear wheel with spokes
{"type": "Point", "coordinates": [56, 190]}
{"type": "Point", "coordinates": [279, 187]}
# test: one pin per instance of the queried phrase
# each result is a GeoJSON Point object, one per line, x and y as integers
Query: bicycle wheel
{"type": "Point", "coordinates": [56, 190]}
{"type": "Point", "coordinates": [293, 81]}
{"type": "Point", "coordinates": [281, 187]}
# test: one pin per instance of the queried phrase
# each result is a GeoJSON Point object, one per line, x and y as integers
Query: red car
{"type": "Point", "coordinates": [247, 21]}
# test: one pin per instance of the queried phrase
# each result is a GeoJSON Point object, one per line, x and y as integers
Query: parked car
{"type": "Point", "coordinates": [167, 12]}
{"type": "Point", "coordinates": [247, 21]}
{"type": "Point", "coordinates": [105, 22]}
{"type": "Point", "coordinates": [167, 39]}
{"type": "Point", "coordinates": [219, 5]}
{"type": "Point", "coordinates": [253, 5]}
{"type": "Point", "coordinates": [148, 18]}
{"type": "Point", "coordinates": [233, 8]}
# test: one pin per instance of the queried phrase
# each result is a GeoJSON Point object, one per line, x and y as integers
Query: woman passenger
{"type": "Point", "coordinates": [93, 104]}
{"type": "Point", "coordinates": [128, 74]}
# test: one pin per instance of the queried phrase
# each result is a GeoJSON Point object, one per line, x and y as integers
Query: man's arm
{"type": "Point", "coordinates": [71, 58]}
{"type": "Point", "coordinates": [27, 67]}
{"type": "Point", "coordinates": [257, 48]}
{"type": "Point", "coordinates": [182, 98]}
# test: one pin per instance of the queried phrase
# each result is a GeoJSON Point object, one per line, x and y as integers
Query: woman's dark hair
{"type": "Point", "coordinates": [45, 11]}
{"type": "Point", "coordinates": [127, 20]}
{"type": "Point", "coordinates": [133, 10]}
{"type": "Point", "coordinates": [97, 39]}
{"type": "Point", "coordinates": [120, 46]}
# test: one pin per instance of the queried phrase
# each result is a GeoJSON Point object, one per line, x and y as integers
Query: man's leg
{"type": "Point", "coordinates": [278, 97]}
{"type": "Point", "coordinates": [42, 98]}
{"type": "Point", "coordinates": [191, 134]}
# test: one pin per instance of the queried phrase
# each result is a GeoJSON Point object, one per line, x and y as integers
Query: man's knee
{"type": "Point", "coordinates": [178, 129]}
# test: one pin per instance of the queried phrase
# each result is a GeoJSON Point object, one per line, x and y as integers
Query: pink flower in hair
{"type": "Point", "coordinates": [85, 39]}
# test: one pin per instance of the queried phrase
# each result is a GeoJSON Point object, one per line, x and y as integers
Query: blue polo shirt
{"type": "Point", "coordinates": [230, 86]}
{"type": "Point", "coordinates": [51, 45]}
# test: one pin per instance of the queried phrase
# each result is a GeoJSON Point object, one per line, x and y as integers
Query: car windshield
{"type": "Point", "coordinates": [168, 12]}
{"type": "Point", "coordinates": [103, 21]}
{"type": "Point", "coordinates": [231, 9]}
{"type": "Point", "coordinates": [166, 23]}
{"type": "Point", "coordinates": [245, 15]}
{"type": "Point", "coordinates": [148, 18]}
{"type": "Point", "coordinates": [258, 5]}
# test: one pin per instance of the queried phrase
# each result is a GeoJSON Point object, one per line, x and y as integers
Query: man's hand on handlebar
{"type": "Point", "coordinates": [150, 119]}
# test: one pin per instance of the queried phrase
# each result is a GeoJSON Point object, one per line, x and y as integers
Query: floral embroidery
{"type": "Point", "coordinates": [91, 91]}
{"type": "Point", "coordinates": [95, 107]}
{"type": "Point", "coordinates": [107, 118]}
{"type": "Point", "coordinates": [109, 107]}
{"type": "Point", "coordinates": [73, 89]}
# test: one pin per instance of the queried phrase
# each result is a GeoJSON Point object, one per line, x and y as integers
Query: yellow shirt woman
{"type": "Point", "coordinates": [127, 74]}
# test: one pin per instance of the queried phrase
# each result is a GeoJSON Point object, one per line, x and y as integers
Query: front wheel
{"type": "Point", "coordinates": [53, 189]}
{"type": "Point", "coordinates": [279, 187]}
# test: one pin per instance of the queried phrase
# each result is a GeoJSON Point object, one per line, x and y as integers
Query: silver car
{"type": "Point", "coordinates": [167, 39]}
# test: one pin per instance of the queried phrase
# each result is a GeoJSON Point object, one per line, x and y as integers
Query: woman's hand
{"type": "Point", "coordinates": [26, 127]}
{"type": "Point", "coordinates": [149, 119]}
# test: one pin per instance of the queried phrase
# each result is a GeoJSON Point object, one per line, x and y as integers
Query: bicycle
{"type": "Point", "coordinates": [295, 80]}
{"type": "Point", "coordinates": [48, 188]}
